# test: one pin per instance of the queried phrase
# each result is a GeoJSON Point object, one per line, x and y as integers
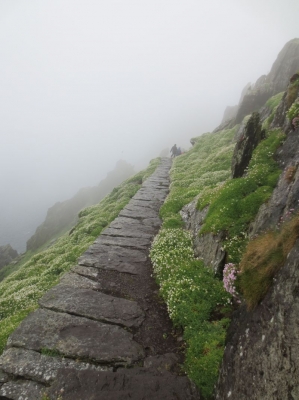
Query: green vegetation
{"type": "Point", "coordinates": [292, 92]}
{"type": "Point", "coordinates": [20, 291]}
{"type": "Point", "coordinates": [273, 102]}
{"type": "Point", "coordinates": [192, 294]}
{"type": "Point", "coordinates": [263, 257]}
{"type": "Point", "coordinates": [203, 167]}
{"type": "Point", "coordinates": [195, 299]}
{"type": "Point", "coordinates": [235, 205]}
{"type": "Point", "coordinates": [293, 111]}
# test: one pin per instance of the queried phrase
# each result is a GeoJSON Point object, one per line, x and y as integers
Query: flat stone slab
{"type": "Point", "coordinates": [138, 212]}
{"type": "Point", "coordinates": [134, 243]}
{"type": "Point", "coordinates": [127, 231]}
{"type": "Point", "coordinates": [154, 222]}
{"type": "Point", "coordinates": [130, 223]}
{"type": "Point", "coordinates": [88, 272]}
{"type": "Point", "coordinates": [113, 261]}
{"type": "Point", "coordinates": [144, 197]}
{"type": "Point", "coordinates": [78, 281]}
{"type": "Point", "coordinates": [133, 384]}
{"type": "Point", "coordinates": [139, 204]}
{"type": "Point", "coordinates": [22, 390]}
{"type": "Point", "coordinates": [31, 365]}
{"type": "Point", "coordinates": [76, 337]}
{"type": "Point", "coordinates": [114, 258]}
{"type": "Point", "coordinates": [94, 305]}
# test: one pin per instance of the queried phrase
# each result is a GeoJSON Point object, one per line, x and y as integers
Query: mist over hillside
{"type": "Point", "coordinates": [86, 84]}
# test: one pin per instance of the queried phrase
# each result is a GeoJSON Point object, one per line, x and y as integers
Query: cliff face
{"type": "Point", "coordinates": [286, 64]}
{"type": "Point", "coordinates": [262, 353]}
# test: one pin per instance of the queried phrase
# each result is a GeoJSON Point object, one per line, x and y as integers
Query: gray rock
{"type": "Point", "coordinates": [252, 135]}
{"type": "Point", "coordinates": [131, 242]}
{"type": "Point", "coordinates": [207, 247]}
{"type": "Point", "coordinates": [286, 64]}
{"type": "Point", "coordinates": [153, 222]}
{"type": "Point", "coordinates": [134, 384]}
{"type": "Point", "coordinates": [124, 223]}
{"type": "Point", "coordinates": [152, 204]}
{"type": "Point", "coordinates": [127, 231]}
{"type": "Point", "coordinates": [163, 362]}
{"type": "Point", "coordinates": [3, 376]}
{"type": "Point", "coordinates": [31, 365]}
{"type": "Point", "coordinates": [262, 345]}
{"type": "Point", "coordinates": [286, 194]}
{"type": "Point", "coordinates": [94, 305]}
{"type": "Point", "coordinates": [88, 272]}
{"type": "Point", "coordinates": [78, 281]}
{"type": "Point", "coordinates": [76, 337]}
{"type": "Point", "coordinates": [22, 390]}
{"type": "Point", "coordinates": [114, 258]}
{"type": "Point", "coordinates": [138, 212]}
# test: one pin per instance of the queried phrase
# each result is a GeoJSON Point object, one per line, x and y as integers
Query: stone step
{"type": "Point", "coordinates": [76, 337]}
{"type": "Point", "coordinates": [94, 305]}
{"type": "Point", "coordinates": [38, 367]}
{"type": "Point", "coordinates": [136, 384]}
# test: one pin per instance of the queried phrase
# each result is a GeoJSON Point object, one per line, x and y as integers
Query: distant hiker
{"type": "Point", "coordinates": [173, 150]}
{"type": "Point", "coordinates": [179, 151]}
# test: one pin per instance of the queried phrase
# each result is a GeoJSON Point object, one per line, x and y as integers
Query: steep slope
{"type": "Point", "coordinates": [64, 215]}
{"type": "Point", "coordinates": [20, 291]}
{"type": "Point", "coordinates": [255, 96]}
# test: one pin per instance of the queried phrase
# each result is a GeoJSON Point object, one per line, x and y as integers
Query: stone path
{"type": "Point", "coordinates": [103, 332]}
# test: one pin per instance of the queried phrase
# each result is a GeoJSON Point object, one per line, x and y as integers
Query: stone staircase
{"type": "Point", "coordinates": [103, 332]}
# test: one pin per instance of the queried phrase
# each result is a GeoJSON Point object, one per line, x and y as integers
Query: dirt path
{"type": "Point", "coordinates": [103, 332]}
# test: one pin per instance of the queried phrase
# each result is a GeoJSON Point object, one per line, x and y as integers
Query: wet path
{"type": "Point", "coordinates": [103, 332]}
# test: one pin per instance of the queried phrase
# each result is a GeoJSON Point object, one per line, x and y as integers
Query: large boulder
{"type": "Point", "coordinates": [208, 247]}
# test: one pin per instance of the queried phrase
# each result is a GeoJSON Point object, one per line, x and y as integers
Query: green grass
{"type": "Point", "coordinates": [20, 291]}
{"type": "Point", "coordinates": [236, 204]}
{"type": "Point", "coordinates": [192, 295]}
{"type": "Point", "coordinates": [195, 299]}
{"type": "Point", "coordinates": [262, 259]}
{"type": "Point", "coordinates": [205, 166]}
{"type": "Point", "coordinates": [273, 102]}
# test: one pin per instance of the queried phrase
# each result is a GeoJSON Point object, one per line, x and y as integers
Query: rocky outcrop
{"type": "Point", "coordinates": [102, 332]}
{"type": "Point", "coordinates": [7, 255]}
{"type": "Point", "coordinates": [64, 215]}
{"type": "Point", "coordinates": [252, 135]}
{"type": "Point", "coordinates": [261, 358]}
{"type": "Point", "coordinates": [255, 96]}
{"type": "Point", "coordinates": [208, 246]}
{"type": "Point", "coordinates": [284, 200]}
{"type": "Point", "coordinates": [262, 345]}
{"type": "Point", "coordinates": [286, 65]}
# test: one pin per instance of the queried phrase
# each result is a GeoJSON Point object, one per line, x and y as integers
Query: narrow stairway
{"type": "Point", "coordinates": [103, 332]}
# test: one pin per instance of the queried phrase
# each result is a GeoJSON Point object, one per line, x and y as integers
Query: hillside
{"type": "Point", "coordinates": [225, 258]}
{"type": "Point", "coordinates": [64, 215]}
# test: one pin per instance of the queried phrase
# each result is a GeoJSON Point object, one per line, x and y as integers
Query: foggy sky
{"type": "Point", "coordinates": [85, 83]}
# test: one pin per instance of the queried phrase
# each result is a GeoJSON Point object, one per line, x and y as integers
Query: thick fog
{"type": "Point", "coordinates": [85, 83]}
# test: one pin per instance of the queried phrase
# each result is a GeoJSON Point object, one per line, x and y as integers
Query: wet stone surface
{"type": "Point", "coordinates": [104, 315]}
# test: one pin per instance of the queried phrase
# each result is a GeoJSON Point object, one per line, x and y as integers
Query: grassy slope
{"type": "Point", "coordinates": [20, 291]}
{"type": "Point", "coordinates": [192, 294]}
{"type": "Point", "coordinates": [196, 300]}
